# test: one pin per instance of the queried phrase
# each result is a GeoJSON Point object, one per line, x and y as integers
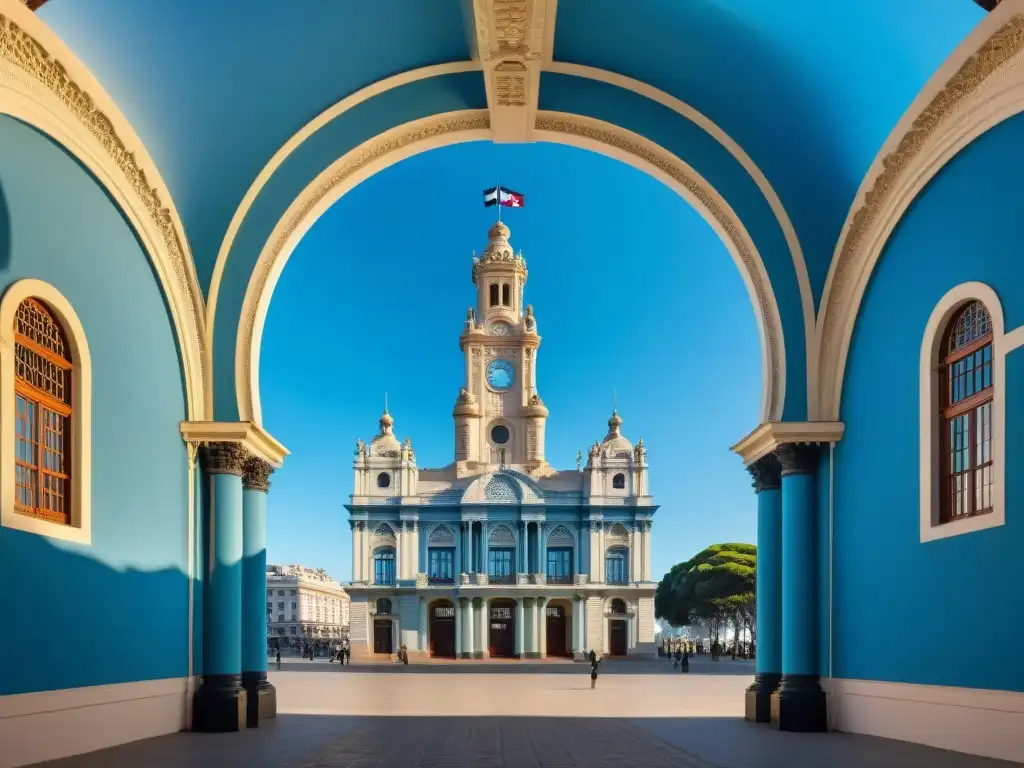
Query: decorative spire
{"type": "Point", "coordinates": [499, 251]}
{"type": "Point", "coordinates": [613, 424]}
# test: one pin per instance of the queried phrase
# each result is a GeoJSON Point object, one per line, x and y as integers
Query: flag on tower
{"type": "Point", "coordinates": [503, 196]}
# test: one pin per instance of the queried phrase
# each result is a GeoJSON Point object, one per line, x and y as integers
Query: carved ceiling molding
{"type": "Point", "coordinates": [652, 159]}
{"type": "Point", "coordinates": [471, 125]}
{"type": "Point", "coordinates": [61, 99]}
{"type": "Point", "coordinates": [979, 86]}
{"type": "Point", "coordinates": [514, 39]}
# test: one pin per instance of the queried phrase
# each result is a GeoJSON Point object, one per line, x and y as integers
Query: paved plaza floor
{"type": "Point", "coordinates": [486, 715]}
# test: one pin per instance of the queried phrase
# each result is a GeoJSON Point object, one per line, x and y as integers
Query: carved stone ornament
{"type": "Point", "coordinates": [798, 458]}
{"type": "Point", "coordinates": [25, 52]}
{"type": "Point", "coordinates": [223, 459]}
{"type": "Point", "coordinates": [257, 474]}
{"type": "Point", "coordinates": [767, 473]}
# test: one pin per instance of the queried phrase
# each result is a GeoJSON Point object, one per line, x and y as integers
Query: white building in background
{"type": "Point", "coordinates": [499, 554]}
{"type": "Point", "coordinates": [305, 602]}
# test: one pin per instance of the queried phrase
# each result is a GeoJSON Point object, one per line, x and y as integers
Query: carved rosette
{"type": "Point", "coordinates": [257, 474]}
{"type": "Point", "coordinates": [767, 473]}
{"type": "Point", "coordinates": [798, 458]}
{"type": "Point", "coordinates": [223, 459]}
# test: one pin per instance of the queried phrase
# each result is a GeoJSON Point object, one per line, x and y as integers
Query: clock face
{"type": "Point", "coordinates": [501, 375]}
{"type": "Point", "coordinates": [499, 329]}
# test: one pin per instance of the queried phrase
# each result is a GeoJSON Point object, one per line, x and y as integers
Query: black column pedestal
{"type": "Point", "coordinates": [799, 705]}
{"type": "Point", "coordinates": [261, 698]}
{"type": "Point", "coordinates": [759, 697]}
{"type": "Point", "coordinates": [219, 705]}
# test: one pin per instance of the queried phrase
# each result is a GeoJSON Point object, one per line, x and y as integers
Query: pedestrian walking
{"type": "Point", "coordinates": [594, 664]}
{"type": "Point", "coordinates": [279, 659]}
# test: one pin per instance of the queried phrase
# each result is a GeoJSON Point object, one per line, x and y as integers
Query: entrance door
{"type": "Point", "coordinates": [502, 633]}
{"type": "Point", "coordinates": [557, 641]}
{"type": "Point", "coordinates": [382, 636]}
{"type": "Point", "coordinates": [442, 630]}
{"type": "Point", "coordinates": [617, 637]}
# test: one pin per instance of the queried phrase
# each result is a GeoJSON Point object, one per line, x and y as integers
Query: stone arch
{"type": "Point", "coordinates": [47, 87]}
{"type": "Point", "coordinates": [501, 536]}
{"type": "Point", "coordinates": [441, 534]}
{"type": "Point", "coordinates": [383, 536]}
{"type": "Point", "coordinates": [561, 536]}
{"type": "Point", "coordinates": [978, 87]}
{"type": "Point", "coordinates": [616, 536]}
{"type": "Point", "coordinates": [472, 125]}
{"type": "Point", "coordinates": [612, 609]}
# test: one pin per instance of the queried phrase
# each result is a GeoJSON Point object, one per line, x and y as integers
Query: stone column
{"type": "Point", "coordinates": [578, 623]}
{"type": "Point", "coordinates": [593, 561]}
{"type": "Point", "coordinates": [467, 548]}
{"type": "Point", "coordinates": [799, 703]}
{"type": "Point", "coordinates": [480, 648]}
{"type": "Point", "coordinates": [467, 628]}
{"type": "Point", "coordinates": [485, 548]}
{"type": "Point", "coordinates": [768, 487]}
{"type": "Point", "coordinates": [634, 552]}
{"type": "Point", "coordinates": [220, 701]}
{"type": "Point", "coordinates": [260, 694]}
{"type": "Point", "coordinates": [357, 552]}
{"type": "Point", "coordinates": [542, 628]}
{"type": "Point", "coordinates": [578, 553]}
{"type": "Point", "coordinates": [542, 547]}
{"type": "Point", "coordinates": [521, 549]}
{"type": "Point", "coordinates": [529, 628]}
{"type": "Point", "coordinates": [520, 628]}
{"type": "Point", "coordinates": [457, 602]}
{"type": "Point", "coordinates": [424, 624]}
{"type": "Point", "coordinates": [414, 549]}
{"type": "Point", "coordinates": [647, 551]}
{"type": "Point", "coordinates": [600, 554]}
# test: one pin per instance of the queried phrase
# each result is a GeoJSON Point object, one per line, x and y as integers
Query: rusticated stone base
{"type": "Point", "coordinates": [799, 705]}
{"type": "Point", "coordinates": [220, 705]}
{"type": "Point", "coordinates": [261, 698]}
{"type": "Point", "coordinates": [758, 702]}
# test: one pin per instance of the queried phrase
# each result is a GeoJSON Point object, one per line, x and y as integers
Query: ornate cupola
{"type": "Point", "coordinates": [499, 276]}
{"type": "Point", "coordinates": [615, 469]}
{"type": "Point", "coordinates": [385, 467]}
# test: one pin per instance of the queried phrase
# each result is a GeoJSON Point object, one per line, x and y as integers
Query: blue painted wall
{"type": "Point", "coordinates": [897, 601]}
{"type": "Point", "coordinates": [115, 611]}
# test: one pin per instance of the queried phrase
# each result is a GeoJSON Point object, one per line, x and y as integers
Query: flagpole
{"type": "Point", "coordinates": [497, 191]}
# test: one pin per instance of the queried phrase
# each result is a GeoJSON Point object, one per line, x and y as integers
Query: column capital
{"type": "Point", "coordinates": [767, 473]}
{"type": "Point", "coordinates": [798, 458]}
{"type": "Point", "coordinates": [257, 474]}
{"type": "Point", "coordinates": [247, 435]}
{"type": "Point", "coordinates": [223, 459]}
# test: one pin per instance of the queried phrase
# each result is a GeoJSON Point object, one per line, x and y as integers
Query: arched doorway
{"type": "Point", "coordinates": [441, 637]}
{"type": "Point", "coordinates": [501, 629]}
{"type": "Point", "coordinates": [383, 631]}
{"type": "Point", "coordinates": [618, 628]}
{"type": "Point", "coordinates": [558, 615]}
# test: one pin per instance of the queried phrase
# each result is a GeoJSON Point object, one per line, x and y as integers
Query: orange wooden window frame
{"type": "Point", "coordinates": [43, 401]}
{"type": "Point", "coordinates": [950, 411]}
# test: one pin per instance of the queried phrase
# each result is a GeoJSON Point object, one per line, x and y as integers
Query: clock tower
{"type": "Point", "coordinates": [499, 416]}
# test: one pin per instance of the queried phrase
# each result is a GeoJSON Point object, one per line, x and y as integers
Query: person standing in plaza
{"type": "Point", "coordinates": [594, 664]}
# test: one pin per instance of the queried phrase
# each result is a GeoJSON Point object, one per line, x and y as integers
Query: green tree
{"type": "Point", "coordinates": [716, 585]}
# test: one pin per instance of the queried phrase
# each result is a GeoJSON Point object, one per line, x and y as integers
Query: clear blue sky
{"type": "Point", "coordinates": [633, 293]}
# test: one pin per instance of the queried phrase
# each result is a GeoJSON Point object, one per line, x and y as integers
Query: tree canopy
{"type": "Point", "coordinates": [718, 580]}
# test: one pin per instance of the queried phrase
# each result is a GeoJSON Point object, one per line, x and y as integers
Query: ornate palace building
{"type": "Point", "coordinates": [305, 603]}
{"type": "Point", "coordinates": [499, 554]}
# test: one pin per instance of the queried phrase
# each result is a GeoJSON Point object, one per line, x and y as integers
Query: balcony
{"type": "Point", "coordinates": [566, 579]}
{"type": "Point", "coordinates": [440, 581]}
{"type": "Point", "coordinates": [508, 578]}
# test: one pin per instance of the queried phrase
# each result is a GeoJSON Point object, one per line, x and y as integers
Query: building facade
{"type": "Point", "coordinates": [499, 554]}
{"type": "Point", "coordinates": [305, 603]}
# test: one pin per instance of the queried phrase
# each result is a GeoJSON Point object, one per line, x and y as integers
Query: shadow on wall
{"type": "Point", "coordinates": [5, 232]}
{"type": "Point", "coordinates": [143, 636]}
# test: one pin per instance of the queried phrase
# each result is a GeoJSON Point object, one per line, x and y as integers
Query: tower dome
{"type": "Point", "coordinates": [385, 443]}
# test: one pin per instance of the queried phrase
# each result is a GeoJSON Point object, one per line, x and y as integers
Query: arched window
{"type": "Point", "coordinates": [617, 606]}
{"type": "Point", "coordinates": [43, 413]}
{"type": "Point", "coordinates": [619, 481]}
{"type": "Point", "coordinates": [506, 295]}
{"type": "Point", "coordinates": [965, 399]}
{"type": "Point", "coordinates": [616, 562]}
{"type": "Point", "coordinates": [493, 295]}
{"type": "Point", "coordinates": [383, 607]}
{"type": "Point", "coordinates": [383, 480]}
{"type": "Point", "coordinates": [384, 566]}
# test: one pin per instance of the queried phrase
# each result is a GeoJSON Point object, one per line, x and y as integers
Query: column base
{"type": "Point", "coordinates": [220, 705]}
{"type": "Point", "coordinates": [532, 655]}
{"type": "Point", "coordinates": [759, 697]}
{"type": "Point", "coordinates": [261, 698]}
{"type": "Point", "coordinates": [799, 705]}
{"type": "Point", "coordinates": [465, 655]}
{"type": "Point", "coordinates": [477, 654]}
